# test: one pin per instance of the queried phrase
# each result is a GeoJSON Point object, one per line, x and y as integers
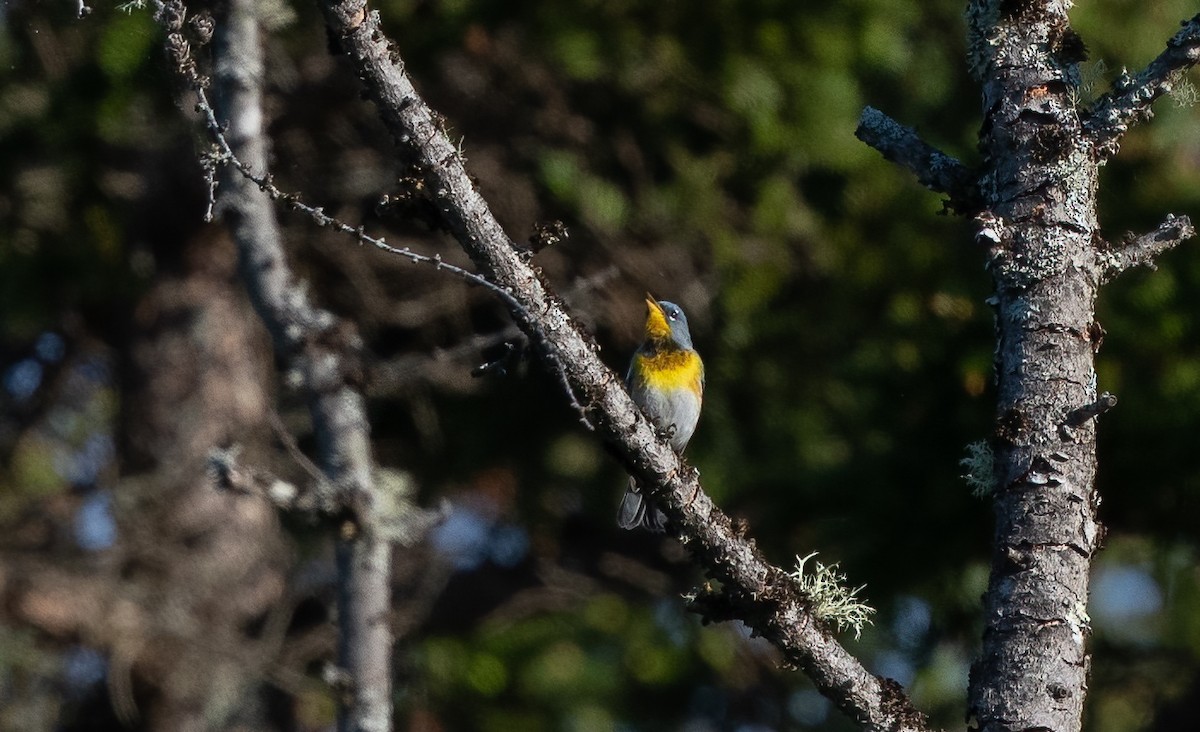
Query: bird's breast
{"type": "Point", "coordinates": [670, 370]}
{"type": "Point", "coordinates": [667, 386]}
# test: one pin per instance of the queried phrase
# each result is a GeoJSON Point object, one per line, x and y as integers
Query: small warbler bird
{"type": "Point", "coordinates": [666, 380]}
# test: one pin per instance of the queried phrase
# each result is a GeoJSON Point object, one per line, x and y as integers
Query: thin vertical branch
{"type": "Point", "coordinates": [322, 357]}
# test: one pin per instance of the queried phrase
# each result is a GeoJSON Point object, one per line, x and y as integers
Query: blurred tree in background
{"type": "Point", "coordinates": [702, 152]}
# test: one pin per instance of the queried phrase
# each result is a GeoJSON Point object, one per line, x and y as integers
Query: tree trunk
{"type": "Point", "coordinates": [1035, 200]}
{"type": "Point", "coordinates": [322, 355]}
{"type": "Point", "coordinates": [1039, 194]}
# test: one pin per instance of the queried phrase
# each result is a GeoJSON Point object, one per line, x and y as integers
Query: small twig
{"type": "Point", "coordinates": [565, 382]}
{"type": "Point", "coordinates": [288, 440]}
{"type": "Point", "coordinates": [499, 365]}
{"type": "Point", "coordinates": [224, 155]}
{"type": "Point", "coordinates": [227, 473]}
{"type": "Point", "coordinates": [393, 376]}
{"type": "Point", "coordinates": [1103, 403]}
{"type": "Point", "coordinates": [1143, 250]}
{"type": "Point", "coordinates": [1129, 101]}
{"type": "Point", "coordinates": [935, 170]}
{"type": "Point", "coordinates": [209, 165]}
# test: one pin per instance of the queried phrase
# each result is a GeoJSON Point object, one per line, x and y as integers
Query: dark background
{"type": "Point", "coordinates": [703, 152]}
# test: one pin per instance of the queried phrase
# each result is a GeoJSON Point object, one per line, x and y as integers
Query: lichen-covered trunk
{"type": "Point", "coordinates": [1039, 190]}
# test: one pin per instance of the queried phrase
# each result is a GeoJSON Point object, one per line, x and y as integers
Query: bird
{"type": "Point", "coordinates": [666, 381]}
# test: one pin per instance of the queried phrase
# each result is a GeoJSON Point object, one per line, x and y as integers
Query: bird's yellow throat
{"type": "Point", "coordinates": [657, 328]}
{"type": "Point", "coordinates": [670, 369]}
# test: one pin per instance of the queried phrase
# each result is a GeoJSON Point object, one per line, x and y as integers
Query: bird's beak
{"type": "Point", "coordinates": [657, 327]}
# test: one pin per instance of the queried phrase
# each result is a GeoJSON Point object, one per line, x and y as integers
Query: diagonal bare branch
{"type": "Point", "coordinates": [935, 170]}
{"type": "Point", "coordinates": [296, 310]}
{"type": "Point", "coordinates": [761, 595]}
{"type": "Point", "coordinates": [1129, 101]}
{"type": "Point", "coordinates": [1143, 250]}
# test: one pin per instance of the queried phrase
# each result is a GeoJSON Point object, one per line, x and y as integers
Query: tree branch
{"type": "Point", "coordinates": [763, 596]}
{"type": "Point", "coordinates": [935, 170]}
{"type": "Point", "coordinates": [1130, 99]}
{"type": "Point", "coordinates": [227, 472]}
{"type": "Point", "coordinates": [223, 156]}
{"type": "Point", "coordinates": [1040, 223]}
{"type": "Point", "coordinates": [1091, 410]}
{"type": "Point", "coordinates": [1143, 250]}
{"type": "Point", "coordinates": [322, 354]}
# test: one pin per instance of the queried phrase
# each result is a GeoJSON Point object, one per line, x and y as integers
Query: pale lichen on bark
{"type": "Point", "coordinates": [752, 590]}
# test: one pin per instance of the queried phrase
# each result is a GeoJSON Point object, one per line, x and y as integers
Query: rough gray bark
{"type": "Point", "coordinates": [935, 169]}
{"type": "Point", "coordinates": [752, 590]}
{"type": "Point", "coordinates": [322, 355]}
{"type": "Point", "coordinates": [1035, 199]}
{"type": "Point", "coordinates": [1037, 187]}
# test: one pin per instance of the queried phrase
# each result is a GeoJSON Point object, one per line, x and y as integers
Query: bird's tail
{"type": "Point", "coordinates": [636, 511]}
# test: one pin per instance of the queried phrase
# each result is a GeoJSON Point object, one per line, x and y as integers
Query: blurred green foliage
{"type": "Point", "coordinates": [707, 151]}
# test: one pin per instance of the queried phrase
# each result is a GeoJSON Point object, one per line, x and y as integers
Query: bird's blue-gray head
{"type": "Point", "coordinates": [665, 320]}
